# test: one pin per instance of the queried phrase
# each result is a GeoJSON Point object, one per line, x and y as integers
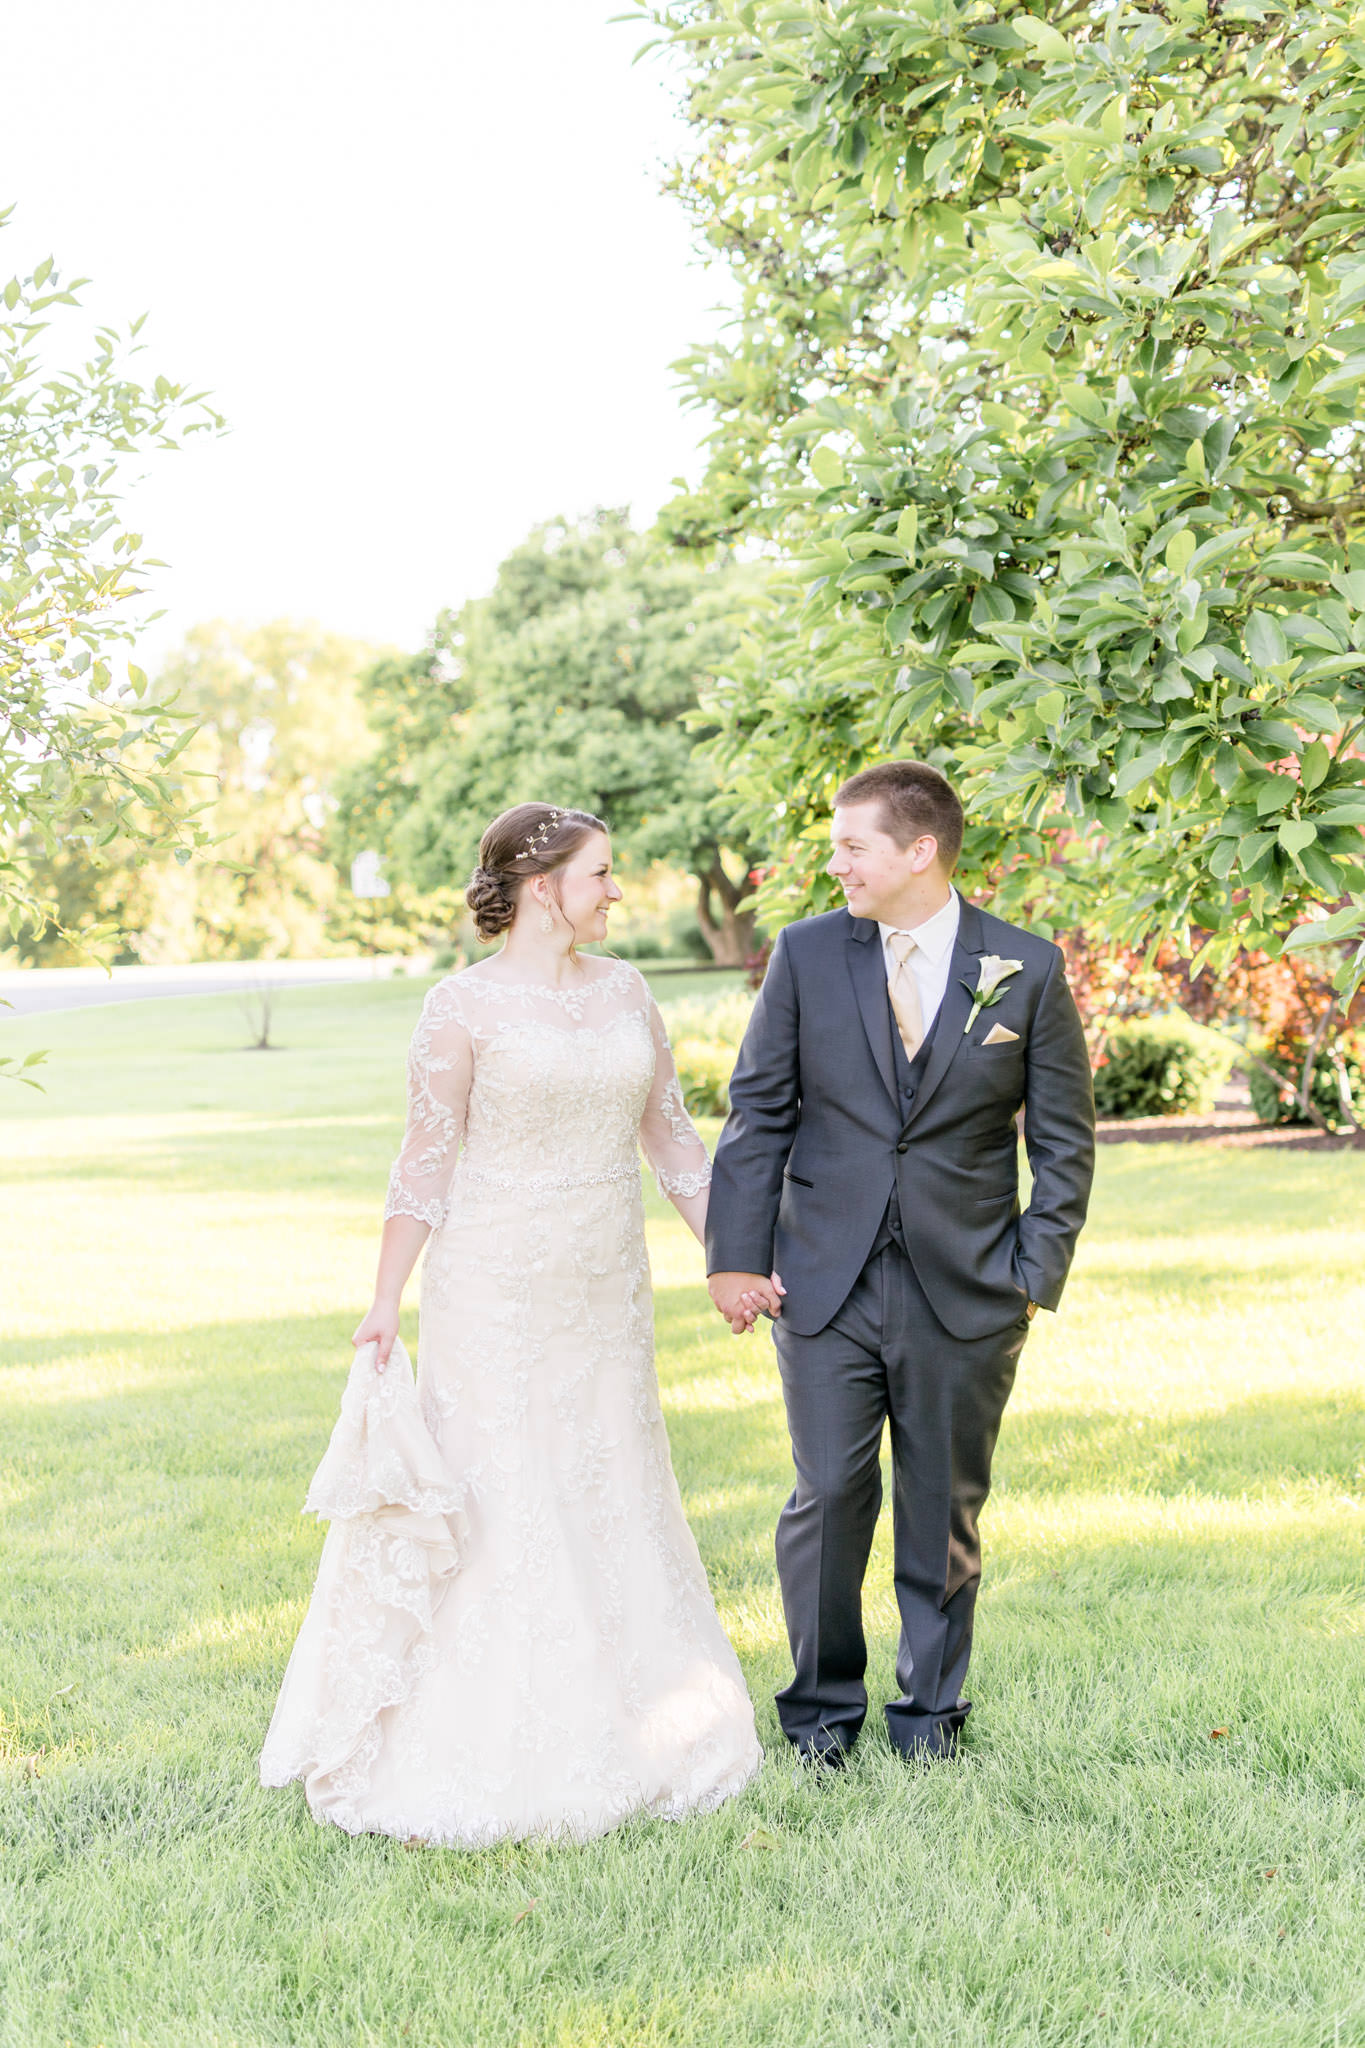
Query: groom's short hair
{"type": "Point", "coordinates": [914, 799]}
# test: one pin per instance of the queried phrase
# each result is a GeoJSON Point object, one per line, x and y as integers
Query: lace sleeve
{"type": "Point", "coordinates": [440, 1070]}
{"type": "Point", "coordinates": [668, 1136]}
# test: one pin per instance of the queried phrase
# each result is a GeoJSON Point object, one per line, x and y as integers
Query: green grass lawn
{"type": "Point", "coordinates": [1174, 1547]}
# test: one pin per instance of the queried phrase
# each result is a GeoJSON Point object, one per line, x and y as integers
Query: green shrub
{"type": "Point", "coordinates": [641, 945]}
{"type": "Point", "coordinates": [1272, 1107]}
{"type": "Point", "coordinates": [724, 1015]}
{"type": "Point", "coordinates": [1160, 1066]}
{"type": "Point", "coordinates": [685, 938]}
{"type": "Point", "coordinates": [705, 1032]}
{"type": "Point", "coordinates": [674, 936]}
{"type": "Point", "coordinates": [704, 1069]}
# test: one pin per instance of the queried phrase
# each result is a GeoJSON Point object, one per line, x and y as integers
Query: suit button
{"type": "Point", "coordinates": [902, 1147]}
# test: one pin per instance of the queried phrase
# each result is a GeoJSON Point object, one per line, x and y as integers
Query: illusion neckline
{"type": "Point", "coordinates": [469, 977]}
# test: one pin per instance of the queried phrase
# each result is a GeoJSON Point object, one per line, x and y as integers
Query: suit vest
{"type": "Point", "coordinates": [909, 1075]}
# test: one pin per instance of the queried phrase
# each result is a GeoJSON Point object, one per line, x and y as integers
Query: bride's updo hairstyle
{"type": "Point", "coordinates": [530, 839]}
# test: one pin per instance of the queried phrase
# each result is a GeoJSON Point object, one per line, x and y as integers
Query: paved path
{"type": "Point", "coordinates": [33, 989]}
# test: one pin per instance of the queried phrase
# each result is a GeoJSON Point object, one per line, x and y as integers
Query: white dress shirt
{"type": "Point", "coordinates": [932, 957]}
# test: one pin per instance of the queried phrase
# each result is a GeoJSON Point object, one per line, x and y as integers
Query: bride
{"type": "Point", "coordinates": [511, 1633]}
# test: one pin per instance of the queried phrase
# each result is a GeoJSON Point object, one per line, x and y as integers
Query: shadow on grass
{"type": "Point", "coordinates": [348, 1156]}
{"type": "Point", "coordinates": [1255, 1446]}
{"type": "Point", "coordinates": [192, 1353]}
{"type": "Point", "coordinates": [257, 1381]}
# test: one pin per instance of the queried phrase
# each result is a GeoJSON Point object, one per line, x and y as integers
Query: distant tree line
{"type": "Point", "coordinates": [578, 679]}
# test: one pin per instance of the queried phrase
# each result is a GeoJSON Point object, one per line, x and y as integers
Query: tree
{"type": "Point", "coordinates": [279, 721]}
{"type": "Point", "coordinates": [1046, 386]}
{"type": "Point", "coordinates": [84, 751]}
{"type": "Point", "coordinates": [574, 680]}
{"type": "Point", "coordinates": [276, 719]}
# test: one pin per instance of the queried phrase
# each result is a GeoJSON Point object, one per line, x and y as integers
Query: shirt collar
{"type": "Point", "coordinates": [935, 936]}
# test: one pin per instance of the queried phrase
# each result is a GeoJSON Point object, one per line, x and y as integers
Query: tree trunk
{"type": "Point", "coordinates": [1306, 1105]}
{"type": "Point", "coordinates": [730, 933]}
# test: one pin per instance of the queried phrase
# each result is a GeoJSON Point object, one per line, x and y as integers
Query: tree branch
{"type": "Point", "coordinates": [1337, 1063]}
{"type": "Point", "coordinates": [1321, 508]}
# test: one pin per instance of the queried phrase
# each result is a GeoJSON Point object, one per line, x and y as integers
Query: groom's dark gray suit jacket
{"type": "Point", "coordinates": [820, 1133]}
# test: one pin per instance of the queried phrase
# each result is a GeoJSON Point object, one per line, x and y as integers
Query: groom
{"type": "Point", "coordinates": [871, 1157]}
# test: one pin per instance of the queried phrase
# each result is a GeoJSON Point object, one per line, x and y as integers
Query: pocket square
{"type": "Point", "coordinates": [998, 1035]}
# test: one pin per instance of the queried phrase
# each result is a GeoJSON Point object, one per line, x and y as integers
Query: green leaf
{"type": "Point", "coordinates": [1351, 584]}
{"type": "Point", "coordinates": [1314, 763]}
{"type": "Point", "coordinates": [1273, 732]}
{"type": "Point", "coordinates": [1274, 793]}
{"type": "Point", "coordinates": [1222, 227]}
{"type": "Point", "coordinates": [997, 35]}
{"type": "Point", "coordinates": [1319, 714]}
{"type": "Point", "coordinates": [1296, 833]}
{"type": "Point", "coordinates": [1050, 44]}
{"type": "Point", "coordinates": [1342, 924]}
{"type": "Point", "coordinates": [1226, 768]}
{"type": "Point", "coordinates": [1138, 771]}
{"type": "Point", "coordinates": [1287, 125]}
{"type": "Point", "coordinates": [1265, 642]}
{"type": "Point", "coordinates": [1179, 549]}
{"type": "Point", "coordinates": [827, 467]}
{"type": "Point", "coordinates": [1252, 849]}
{"type": "Point", "coordinates": [1296, 565]}
{"type": "Point", "coordinates": [943, 152]}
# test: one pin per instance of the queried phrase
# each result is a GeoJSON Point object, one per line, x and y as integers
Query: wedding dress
{"type": "Point", "coordinates": [511, 1633]}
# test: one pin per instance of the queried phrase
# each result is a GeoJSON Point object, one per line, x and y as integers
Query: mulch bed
{"type": "Point", "coordinates": [1232, 1122]}
{"type": "Point", "coordinates": [1227, 1127]}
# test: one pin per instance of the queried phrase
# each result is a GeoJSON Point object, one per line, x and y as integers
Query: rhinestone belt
{"type": "Point", "coordinates": [549, 1183]}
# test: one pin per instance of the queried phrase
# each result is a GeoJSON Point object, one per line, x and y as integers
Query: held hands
{"type": "Point", "coordinates": [379, 1327]}
{"type": "Point", "coordinates": [742, 1297]}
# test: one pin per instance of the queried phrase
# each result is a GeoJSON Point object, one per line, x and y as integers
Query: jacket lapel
{"type": "Point", "coordinates": [968, 947]}
{"type": "Point", "coordinates": [867, 967]}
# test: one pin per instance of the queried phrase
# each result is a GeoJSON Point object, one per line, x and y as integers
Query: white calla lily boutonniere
{"type": "Point", "coordinates": [990, 985]}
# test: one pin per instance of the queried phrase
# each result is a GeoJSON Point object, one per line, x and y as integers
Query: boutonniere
{"type": "Point", "coordinates": [990, 982]}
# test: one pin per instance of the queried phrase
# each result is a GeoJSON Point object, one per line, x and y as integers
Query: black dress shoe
{"type": "Point", "coordinates": [942, 1749]}
{"type": "Point", "coordinates": [823, 1756]}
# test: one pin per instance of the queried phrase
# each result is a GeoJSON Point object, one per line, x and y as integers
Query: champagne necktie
{"type": "Point", "coordinates": [904, 993]}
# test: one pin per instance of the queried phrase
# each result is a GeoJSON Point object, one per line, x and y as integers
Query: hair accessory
{"type": "Point", "coordinates": [540, 835]}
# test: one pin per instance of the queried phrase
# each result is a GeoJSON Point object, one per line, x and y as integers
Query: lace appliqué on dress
{"type": "Point", "coordinates": [673, 1110]}
{"type": "Point", "coordinates": [685, 1184]}
{"type": "Point", "coordinates": [671, 1141]}
{"type": "Point", "coordinates": [440, 1072]}
{"type": "Point", "coordinates": [398, 1526]}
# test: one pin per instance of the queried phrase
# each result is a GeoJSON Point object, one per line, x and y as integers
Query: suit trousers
{"type": "Point", "coordinates": [886, 1357]}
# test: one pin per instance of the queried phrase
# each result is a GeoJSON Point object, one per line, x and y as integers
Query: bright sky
{"type": "Point", "coordinates": [415, 248]}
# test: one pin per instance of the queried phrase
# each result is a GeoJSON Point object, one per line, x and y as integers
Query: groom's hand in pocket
{"type": "Point", "coordinates": [742, 1297]}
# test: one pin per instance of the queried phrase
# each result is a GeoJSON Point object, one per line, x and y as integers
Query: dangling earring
{"type": "Point", "coordinates": [547, 923]}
